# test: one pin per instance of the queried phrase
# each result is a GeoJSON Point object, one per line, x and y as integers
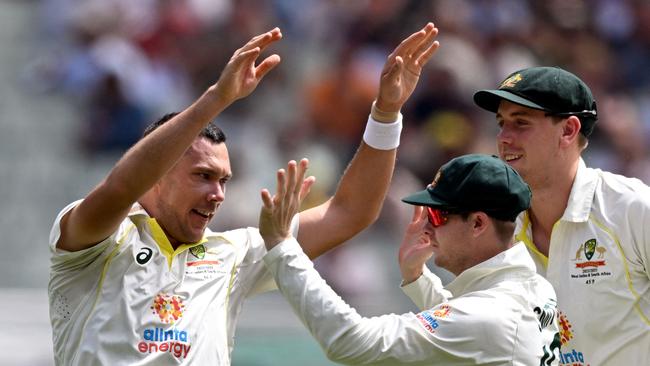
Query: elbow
{"type": "Point", "coordinates": [335, 354]}
{"type": "Point", "coordinates": [345, 348]}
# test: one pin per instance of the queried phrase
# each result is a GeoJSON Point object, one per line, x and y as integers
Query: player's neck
{"type": "Point", "coordinates": [548, 205]}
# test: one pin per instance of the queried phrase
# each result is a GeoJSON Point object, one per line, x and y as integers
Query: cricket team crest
{"type": "Point", "coordinates": [198, 251]}
{"type": "Point", "coordinates": [589, 248]}
{"type": "Point", "coordinates": [590, 262]}
{"type": "Point", "coordinates": [435, 179]}
{"type": "Point", "coordinates": [511, 81]}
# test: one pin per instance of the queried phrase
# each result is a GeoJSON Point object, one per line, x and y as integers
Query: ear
{"type": "Point", "coordinates": [480, 222]}
{"type": "Point", "coordinates": [570, 131]}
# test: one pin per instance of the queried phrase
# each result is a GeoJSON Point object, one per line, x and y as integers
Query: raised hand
{"type": "Point", "coordinates": [416, 248]}
{"type": "Point", "coordinates": [278, 210]}
{"type": "Point", "coordinates": [240, 76]}
{"type": "Point", "coordinates": [403, 67]}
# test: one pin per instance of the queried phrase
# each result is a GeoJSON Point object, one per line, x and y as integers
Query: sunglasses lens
{"type": "Point", "coordinates": [436, 217]}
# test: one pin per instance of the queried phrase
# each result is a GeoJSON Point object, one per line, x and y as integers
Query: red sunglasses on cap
{"type": "Point", "coordinates": [437, 217]}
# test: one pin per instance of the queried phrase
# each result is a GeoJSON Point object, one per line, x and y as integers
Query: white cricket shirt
{"type": "Point", "coordinates": [133, 300]}
{"type": "Point", "coordinates": [502, 314]}
{"type": "Point", "coordinates": [599, 264]}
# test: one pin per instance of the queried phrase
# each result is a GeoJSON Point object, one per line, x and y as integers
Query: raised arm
{"type": "Point", "coordinates": [363, 187]}
{"type": "Point", "coordinates": [436, 336]}
{"type": "Point", "coordinates": [422, 286]}
{"type": "Point", "coordinates": [101, 212]}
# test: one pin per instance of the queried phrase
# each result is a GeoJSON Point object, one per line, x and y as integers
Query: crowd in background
{"type": "Point", "coordinates": [126, 63]}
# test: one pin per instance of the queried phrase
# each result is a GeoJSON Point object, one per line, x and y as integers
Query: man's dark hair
{"type": "Point", "coordinates": [210, 132]}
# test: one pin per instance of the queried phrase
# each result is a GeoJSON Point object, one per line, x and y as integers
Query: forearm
{"type": "Point", "coordinates": [365, 182]}
{"type": "Point", "coordinates": [345, 335]}
{"type": "Point", "coordinates": [355, 205]}
{"type": "Point", "coordinates": [101, 212]}
{"type": "Point", "coordinates": [148, 160]}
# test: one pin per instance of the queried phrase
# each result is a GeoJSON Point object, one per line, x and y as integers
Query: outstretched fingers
{"type": "Point", "coordinates": [267, 65]}
{"type": "Point", "coordinates": [426, 48]}
{"type": "Point", "coordinates": [261, 41]}
{"type": "Point", "coordinates": [407, 46]}
{"type": "Point", "coordinates": [267, 200]}
{"type": "Point", "coordinates": [245, 58]}
{"type": "Point", "coordinates": [305, 188]}
{"type": "Point", "coordinates": [281, 186]}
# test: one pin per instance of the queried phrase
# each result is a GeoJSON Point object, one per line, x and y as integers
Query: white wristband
{"type": "Point", "coordinates": [383, 136]}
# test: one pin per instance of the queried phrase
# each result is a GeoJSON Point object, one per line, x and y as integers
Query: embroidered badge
{"type": "Point", "coordinates": [198, 251]}
{"type": "Point", "coordinates": [593, 265]}
{"type": "Point", "coordinates": [511, 81]}
{"type": "Point", "coordinates": [435, 179]}
{"type": "Point", "coordinates": [589, 248]}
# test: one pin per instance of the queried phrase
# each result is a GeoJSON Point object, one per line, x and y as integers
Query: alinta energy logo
{"type": "Point", "coordinates": [566, 329]}
{"type": "Point", "coordinates": [428, 318]}
{"type": "Point", "coordinates": [169, 309]}
{"type": "Point", "coordinates": [568, 357]}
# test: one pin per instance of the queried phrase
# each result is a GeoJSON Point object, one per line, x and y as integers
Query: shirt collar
{"type": "Point", "coordinates": [508, 263]}
{"type": "Point", "coordinates": [582, 194]}
{"type": "Point", "coordinates": [138, 211]}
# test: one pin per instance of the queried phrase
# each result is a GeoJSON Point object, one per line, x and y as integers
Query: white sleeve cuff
{"type": "Point", "coordinates": [288, 245]}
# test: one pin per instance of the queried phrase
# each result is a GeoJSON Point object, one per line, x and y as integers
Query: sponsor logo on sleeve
{"type": "Point", "coordinates": [428, 318]}
{"type": "Point", "coordinates": [569, 356]}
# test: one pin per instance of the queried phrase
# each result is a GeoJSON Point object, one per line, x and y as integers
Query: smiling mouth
{"type": "Point", "coordinates": [203, 213]}
{"type": "Point", "coordinates": [511, 157]}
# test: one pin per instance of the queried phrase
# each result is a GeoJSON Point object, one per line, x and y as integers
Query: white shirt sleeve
{"type": "Point", "coordinates": [252, 268]}
{"type": "Point", "coordinates": [427, 290]}
{"type": "Point", "coordinates": [465, 331]}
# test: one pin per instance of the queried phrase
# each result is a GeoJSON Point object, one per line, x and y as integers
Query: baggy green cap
{"type": "Point", "coordinates": [476, 182]}
{"type": "Point", "coordinates": [550, 89]}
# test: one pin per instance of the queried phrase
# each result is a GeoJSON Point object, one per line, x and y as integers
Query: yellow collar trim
{"type": "Point", "coordinates": [522, 235]}
{"type": "Point", "coordinates": [163, 242]}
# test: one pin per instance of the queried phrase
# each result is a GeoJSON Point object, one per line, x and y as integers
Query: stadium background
{"type": "Point", "coordinates": [80, 78]}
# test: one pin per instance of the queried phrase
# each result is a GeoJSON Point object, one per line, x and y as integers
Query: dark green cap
{"type": "Point", "coordinates": [550, 89]}
{"type": "Point", "coordinates": [476, 182]}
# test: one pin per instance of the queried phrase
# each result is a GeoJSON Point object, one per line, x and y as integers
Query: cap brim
{"type": "Point", "coordinates": [490, 99]}
{"type": "Point", "coordinates": [424, 198]}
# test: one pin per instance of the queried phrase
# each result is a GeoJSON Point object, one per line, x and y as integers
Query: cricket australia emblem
{"type": "Point", "coordinates": [589, 267]}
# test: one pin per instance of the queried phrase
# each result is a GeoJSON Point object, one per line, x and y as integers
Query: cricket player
{"type": "Point", "coordinates": [498, 310]}
{"type": "Point", "coordinates": [588, 230]}
{"type": "Point", "coordinates": [138, 278]}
